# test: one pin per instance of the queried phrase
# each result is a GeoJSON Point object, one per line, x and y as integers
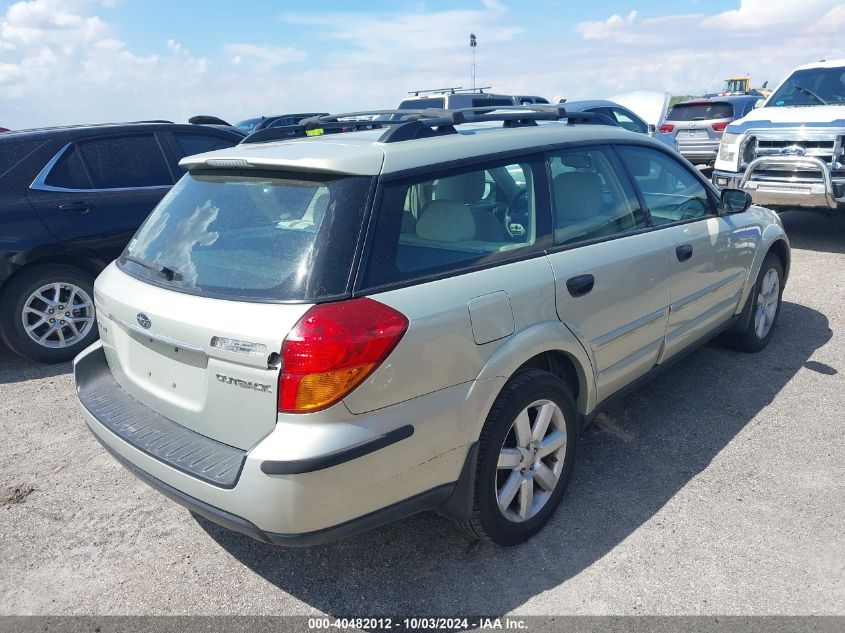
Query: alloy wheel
{"type": "Point", "coordinates": [58, 315]}
{"type": "Point", "coordinates": [767, 303]}
{"type": "Point", "coordinates": [531, 461]}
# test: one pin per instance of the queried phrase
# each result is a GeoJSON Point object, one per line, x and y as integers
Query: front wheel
{"type": "Point", "coordinates": [48, 313]}
{"type": "Point", "coordinates": [525, 458]}
{"type": "Point", "coordinates": [765, 307]}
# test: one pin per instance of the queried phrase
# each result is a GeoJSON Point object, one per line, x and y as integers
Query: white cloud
{"type": "Point", "coordinates": [266, 55]}
{"type": "Point", "coordinates": [62, 62]}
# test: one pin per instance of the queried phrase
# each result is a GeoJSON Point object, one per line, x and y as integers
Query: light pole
{"type": "Point", "coordinates": [473, 42]}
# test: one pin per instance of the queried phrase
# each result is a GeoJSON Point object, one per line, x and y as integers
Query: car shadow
{"type": "Point", "coordinates": [631, 462]}
{"type": "Point", "coordinates": [813, 231]}
{"type": "Point", "coordinates": [14, 368]}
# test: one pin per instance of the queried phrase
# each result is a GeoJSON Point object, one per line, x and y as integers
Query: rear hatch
{"type": "Point", "coordinates": [195, 311]}
{"type": "Point", "coordinates": [700, 121]}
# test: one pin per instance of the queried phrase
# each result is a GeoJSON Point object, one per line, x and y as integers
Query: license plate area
{"type": "Point", "coordinates": [693, 134]}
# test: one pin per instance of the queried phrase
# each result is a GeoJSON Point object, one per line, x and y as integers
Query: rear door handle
{"type": "Point", "coordinates": [74, 207]}
{"type": "Point", "coordinates": [580, 285]}
{"type": "Point", "coordinates": [684, 252]}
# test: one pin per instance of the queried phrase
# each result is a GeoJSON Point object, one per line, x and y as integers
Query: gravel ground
{"type": "Point", "coordinates": [716, 489]}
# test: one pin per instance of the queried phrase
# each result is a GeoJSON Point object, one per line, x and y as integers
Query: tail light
{"type": "Point", "coordinates": [720, 126]}
{"type": "Point", "coordinates": [667, 128]}
{"type": "Point", "coordinates": [332, 349]}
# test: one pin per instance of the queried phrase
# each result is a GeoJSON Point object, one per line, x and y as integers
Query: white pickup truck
{"type": "Point", "coordinates": [789, 152]}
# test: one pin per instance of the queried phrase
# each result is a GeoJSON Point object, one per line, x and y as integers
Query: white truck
{"type": "Point", "coordinates": [788, 152]}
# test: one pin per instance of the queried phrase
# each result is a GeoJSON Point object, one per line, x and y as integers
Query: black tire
{"type": "Point", "coordinates": [488, 522]}
{"type": "Point", "coordinates": [749, 340]}
{"type": "Point", "coordinates": [13, 301]}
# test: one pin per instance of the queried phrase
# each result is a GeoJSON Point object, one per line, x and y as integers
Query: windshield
{"type": "Point", "coordinates": [236, 235]}
{"type": "Point", "coordinates": [812, 86]}
{"type": "Point", "coordinates": [700, 111]}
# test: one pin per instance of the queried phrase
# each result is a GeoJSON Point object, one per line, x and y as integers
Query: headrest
{"type": "Point", "coordinates": [578, 196]}
{"type": "Point", "coordinates": [464, 188]}
{"type": "Point", "coordinates": [446, 221]}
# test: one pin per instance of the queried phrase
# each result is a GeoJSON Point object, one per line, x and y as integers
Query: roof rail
{"type": "Point", "coordinates": [451, 90]}
{"type": "Point", "coordinates": [405, 125]}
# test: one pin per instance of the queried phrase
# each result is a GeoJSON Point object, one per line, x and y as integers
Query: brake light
{"type": "Point", "coordinates": [667, 128]}
{"type": "Point", "coordinates": [332, 349]}
{"type": "Point", "coordinates": [720, 126]}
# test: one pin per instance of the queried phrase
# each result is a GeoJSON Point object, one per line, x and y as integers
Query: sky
{"type": "Point", "coordinates": [89, 61]}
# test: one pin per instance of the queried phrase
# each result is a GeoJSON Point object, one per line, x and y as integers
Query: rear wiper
{"type": "Point", "coordinates": [810, 93]}
{"type": "Point", "coordinates": [164, 271]}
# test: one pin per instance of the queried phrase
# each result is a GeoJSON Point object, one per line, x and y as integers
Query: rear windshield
{"type": "Point", "coordinates": [422, 104]}
{"type": "Point", "coordinates": [243, 235]}
{"type": "Point", "coordinates": [701, 111]}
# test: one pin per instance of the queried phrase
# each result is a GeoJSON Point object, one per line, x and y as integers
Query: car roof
{"type": "Point", "coordinates": [72, 131]}
{"type": "Point", "coordinates": [586, 104]}
{"type": "Point", "coordinates": [362, 153]}
{"type": "Point", "coordinates": [718, 99]}
{"type": "Point", "coordinates": [824, 63]}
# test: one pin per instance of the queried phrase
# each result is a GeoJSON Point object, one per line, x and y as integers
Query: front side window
{"type": "Point", "coordinates": [670, 191]}
{"type": "Point", "coordinates": [812, 86]}
{"type": "Point", "coordinates": [273, 236]}
{"type": "Point", "coordinates": [591, 196]}
{"type": "Point", "coordinates": [432, 225]}
{"type": "Point", "coordinates": [125, 162]}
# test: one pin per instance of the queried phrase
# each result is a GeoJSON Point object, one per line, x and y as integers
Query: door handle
{"type": "Point", "coordinates": [580, 285]}
{"type": "Point", "coordinates": [74, 207]}
{"type": "Point", "coordinates": [684, 252]}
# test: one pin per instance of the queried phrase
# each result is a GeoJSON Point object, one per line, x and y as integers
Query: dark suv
{"type": "Point", "coordinates": [70, 200]}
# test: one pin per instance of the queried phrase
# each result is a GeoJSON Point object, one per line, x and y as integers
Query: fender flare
{"type": "Point", "coordinates": [771, 234]}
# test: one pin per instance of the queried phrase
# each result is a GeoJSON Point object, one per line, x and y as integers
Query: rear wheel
{"type": "Point", "coordinates": [48, 313]}
{"type": "Point", "coordinates": [525, 458]}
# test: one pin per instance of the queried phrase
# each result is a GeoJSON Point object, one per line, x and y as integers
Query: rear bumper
{"type": "Point", "coordinates": [822, 191]}
{"type": "Point", "coordinates": [411, 460]}
{"type": "Point", "coordinates": [702, 151]}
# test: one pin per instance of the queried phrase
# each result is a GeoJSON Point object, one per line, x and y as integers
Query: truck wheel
{"type": "Point", "coordinates": [765, 307]}
{"type": "Point", "coordinates": [48, 313]}
{"type": "Point", "coordinates": [525, 458]}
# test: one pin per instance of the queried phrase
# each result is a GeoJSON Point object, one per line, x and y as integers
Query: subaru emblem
{"type": "Point", "coordinates": [144, 321]}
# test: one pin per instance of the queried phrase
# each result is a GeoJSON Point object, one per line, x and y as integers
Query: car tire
{"type": "Point", "coordinates": [765, 300]}
{"type": "Point", "coordinates": [27, 301]}
{"type": "Point", "coordinates": [500, 515]}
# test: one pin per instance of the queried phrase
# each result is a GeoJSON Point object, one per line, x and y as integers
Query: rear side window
{"type": "Point", "coordinates": [591, 196]}
{"type": "Point", "coordinates": [68, 172]}
{"type": "Point", "coordinates": [439, 224]}
{"type": "Point", "coordinates": [265, 235]}
{"type": "Point", "coordinates": [701, 111]}
{"type": "Point", "coordinates": [481, 102]}
{"type": "Point", "coordinates": [628, 121]}
{"type": "Point", "coordinates": [191, 143]}
{"type": "Point", "coordinates": [11, 153]}
{"type": "Point", "coordinates": [125, 162]}
{"type": "Point", "coordinates": [670, 191]}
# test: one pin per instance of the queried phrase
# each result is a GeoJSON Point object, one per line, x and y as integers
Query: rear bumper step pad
{"type": "Point", "coordinates": [165, 440]}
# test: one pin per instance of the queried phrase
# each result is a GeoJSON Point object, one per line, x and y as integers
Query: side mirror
{"type": "Point", "coordinates": [652, 128]}
{"type": "Point", "coordinates": [735, 200]}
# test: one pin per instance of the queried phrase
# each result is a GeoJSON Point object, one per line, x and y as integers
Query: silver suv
{"type": "Point", "coordinates": [312, 337]}
{"type": "Point", "coordinates": [698, 124]}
